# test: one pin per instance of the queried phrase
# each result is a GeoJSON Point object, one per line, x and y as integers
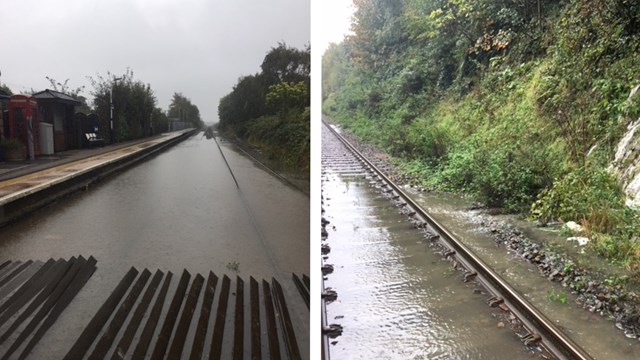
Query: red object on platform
{"type": "Point", "coordinates": [21, 109]}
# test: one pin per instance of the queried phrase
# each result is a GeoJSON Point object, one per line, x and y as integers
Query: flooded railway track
{"type": "Point", "coordinates": [533, 328]}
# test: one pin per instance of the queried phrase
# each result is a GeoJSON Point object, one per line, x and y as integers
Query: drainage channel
{"type": "Point", "coordinates": [534, 330]}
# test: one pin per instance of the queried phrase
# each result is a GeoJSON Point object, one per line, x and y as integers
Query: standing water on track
{"type": "Point", "coordinates": [178, 210]}
{"type": "Point", "coordinates": [397, 299]}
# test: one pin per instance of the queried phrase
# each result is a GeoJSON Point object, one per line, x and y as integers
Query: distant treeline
{"type": "Point", "coordinates": [270, 110]}
{"type": "Point", "coordinates": [135, 108]}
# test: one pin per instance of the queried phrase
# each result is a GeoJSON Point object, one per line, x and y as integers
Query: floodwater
{"type": "Point", "coordinates": [397, 298]}
{"type": "Point", "coordinates": [179, 210]}
{"type": "Point", "coordinates": [597, 335]}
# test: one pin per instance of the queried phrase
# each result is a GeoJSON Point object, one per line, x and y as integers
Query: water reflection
{"type": "Point", "coordinates": [396, 298]}
{"type": "Point", "coordinates": [178, 210]}
{"type": "Point", "coordinates": [595, 334]}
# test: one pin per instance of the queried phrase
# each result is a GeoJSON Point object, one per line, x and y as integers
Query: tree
{"type": "Point", "coordinates": [6, 89]}
{"type": "Point", "coordinates": [133, 102]}
{"type": "Point", "coordinates": [286, 64]}
{"type": "Point", "coordinates": [159, 121]}
{"type": "Point", "coordinates": [378, 33]}
{"type": "Point", "coordinates": [244, 103]}
{"type": "Point", "coordinates": [335, 69]}
{"type": "Point", "coordinates": [182, 109]}
{"type": "Point", "coordinates": [287, 96]}
{"type": "Point", "coordinates": [270, 110]}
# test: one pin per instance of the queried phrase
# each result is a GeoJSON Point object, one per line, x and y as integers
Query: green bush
{"type": "Point", "coordinates": [283, 138]}
{"type": "Point", "coordinates": [589, 195]}
{"type": "Point", "coordinates": [510, 104]}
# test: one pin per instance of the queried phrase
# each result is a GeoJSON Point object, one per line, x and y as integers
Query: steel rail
{"type": "Point", "coordinates": [554, 340]}
{"type": "Point", "coordinates": [324, 323]}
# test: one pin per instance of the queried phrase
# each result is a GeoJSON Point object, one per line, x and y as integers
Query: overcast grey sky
{"type": "Point", "coordinates": [196, 47]}
{"type": "Point", "coordinates": [336, 22]}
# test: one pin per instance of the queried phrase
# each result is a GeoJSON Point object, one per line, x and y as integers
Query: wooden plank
{"type": "Point", "coordinates": [77, 281]}
{"type": "Point", "coordinates": [175, 350]}
{"type": "Point", "coordinates": [272, 327]}
{"type": "Point", "coordinates": [102, 348]}
{"type": "Point", "coordinates": [127, 338]}
{"type": "Point", "coordinates": [15, 272]}
{"type": "Point", "coordinates": [218, 329]}
{"type": "Point", "coordinates": [304, 292]}
{"type": "Point", "coordinates": [8, 268]}
{"type": "Point", "coordinates": [256, 346]}
{"type": "Point", "coordinates": [244, 335]}
{"type": "Point", "coordinates": [49, 280]}
{"type": "Point", "coordinates": [238, 334]}
{"type": "Point", "coordinates": [22, 278]}
{"type": "Point", "coordinates": [26, 291]}
{"type": "Point", "coordinates": [149, 328]}
{"type": "Point", "coordinates": [290, 336]}
{"type": "Point", "coordinates": [205, 312]}
{"type": "Point", "coordinates": [170, 319]}
{"type": "Point", "coordinates": [4, 264]}
{"type": "Point", "coordinates": [100, 318]}
{"type": "Point", "coordinates": [46, 307]}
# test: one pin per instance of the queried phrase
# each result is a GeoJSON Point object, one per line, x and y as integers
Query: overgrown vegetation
{"type": "Point", "coordinates": [520, 103]}
{"type": "Point", "coordinates": [270, 110]}
{"type": "Point", "coordinates": [135, 107]}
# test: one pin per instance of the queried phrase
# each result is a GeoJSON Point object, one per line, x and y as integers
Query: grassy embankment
{"type": "Point", "coordinates": [529, 124]}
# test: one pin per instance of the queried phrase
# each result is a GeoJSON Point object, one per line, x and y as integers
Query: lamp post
{"type": "Point", "coordinates": [111, 138]}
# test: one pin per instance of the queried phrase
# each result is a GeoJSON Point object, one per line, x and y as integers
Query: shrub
{"type": "Point", "coordinates": [585, 194]}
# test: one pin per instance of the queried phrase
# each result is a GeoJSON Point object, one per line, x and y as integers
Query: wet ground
{"type": "Point", "coordinates": [597, 335]}
{"type": "Point", "coordinates": [178, 210]}
{"type": "Point", "coordinates": [397, 299]}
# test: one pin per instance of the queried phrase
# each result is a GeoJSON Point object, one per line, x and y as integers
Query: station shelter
{"type": "Point", "coordinates": [58, 109]}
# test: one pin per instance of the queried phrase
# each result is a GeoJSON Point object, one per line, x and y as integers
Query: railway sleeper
{"type": "Point", "coordinates": [327, 269]}
{"type": "Point", "coordinates": [495, 301]}
{"type": "Point", "coordinates": [419, 224]}
{"type": "Point", "coordinates": [332, 331]}
{"type": "Point", "coordinates": [431, 236]}
{"type": "Point", "coordinates": [469, 275]}
{"type": "Point", "coordinates": [531, 339]}
{"type": "Point", "coordinates": [329, 295]}
{"type": "Point", "coordinates": [325, 249]}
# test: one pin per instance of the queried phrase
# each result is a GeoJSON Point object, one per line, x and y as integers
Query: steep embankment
{"type": "Point", "coordinates": [524, 106]}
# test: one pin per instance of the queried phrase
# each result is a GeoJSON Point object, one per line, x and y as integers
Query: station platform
{"type": "Point", "coordinates": [55, 175]}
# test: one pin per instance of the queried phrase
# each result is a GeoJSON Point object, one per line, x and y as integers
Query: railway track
{"type": "Point", "coordinates": [534, 328]}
